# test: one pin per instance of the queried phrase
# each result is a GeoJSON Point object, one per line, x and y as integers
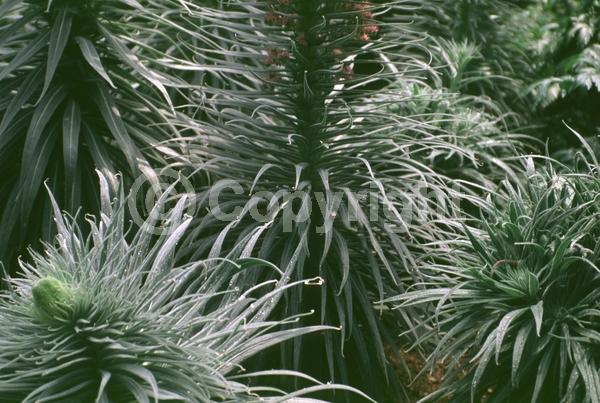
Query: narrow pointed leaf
{"type": "Point", "coordinates": [25, 92]}
{"type": "Point", "coordinates": [114, 122]}
{"type": "Point", "coordinates": [59, 36]}
{"type": "Point", "coordinates": [91, 56]}
{"type": "Point", "coordinates": [25, 55]}
{"type": "Point", "coordinates": [538, 312]}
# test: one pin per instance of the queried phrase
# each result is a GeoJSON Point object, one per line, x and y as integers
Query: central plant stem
{"type": "Point", "coordinates": [315, 83]}
{"type": "Point", "coordinates": [311, 98]}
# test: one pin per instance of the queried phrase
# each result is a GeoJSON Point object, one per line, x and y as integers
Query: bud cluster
{"type": "Point", "coordinates": [331, 31]}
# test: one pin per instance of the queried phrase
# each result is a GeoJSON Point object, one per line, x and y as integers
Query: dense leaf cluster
{"type": "Point", "coordinates": [517, 309]}
{"type": "Point", "coordinates": [301, 184]}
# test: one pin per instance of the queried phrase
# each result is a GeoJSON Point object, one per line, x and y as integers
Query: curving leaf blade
{"type": "Point", "coordinates": [59, 36]}
{"type": "Point", "coordinates": [91, 56]}
{"type": "Point", "coordinates": [71, 126]}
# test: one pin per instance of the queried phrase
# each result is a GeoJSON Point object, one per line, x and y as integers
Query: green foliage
{"type": "Point", "coordinates": [568, 44]}
{"type": "Point", "coordinates": [566, 50]}
{"type": "Point", "coordinates": [473, 132]}
{"type": "Point", "coordinates": [78, 95]}
{"type": "Point", "coordinates": [479, 66]}
{"type": "Point", "coordinates": [513, 309]}
{"type": "Point", "coordinates": [492, 36]}
{"type": "Point", "coordinates": [312, 128]}
{"type": "Point", "coordinates": [122, 323]}
{"type": "Point", "coordinates": [338, 153]}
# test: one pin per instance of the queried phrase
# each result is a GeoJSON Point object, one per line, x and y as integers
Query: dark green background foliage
{"type": "Point", "coordinates": [568, 67]}
{"type": "Point", "coordinates": [75, 99]}
{"type": "Point", "coordinates": [444, 153]}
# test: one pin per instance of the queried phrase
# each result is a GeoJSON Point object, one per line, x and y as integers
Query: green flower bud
{"type": "Point", "coordinates": [51, 298]}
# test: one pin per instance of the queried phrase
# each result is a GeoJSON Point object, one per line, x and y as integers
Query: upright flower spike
{"type": "Point", "coordinates": [321, 170]}
{"type": "Point", "coordinates": [107, 319]}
